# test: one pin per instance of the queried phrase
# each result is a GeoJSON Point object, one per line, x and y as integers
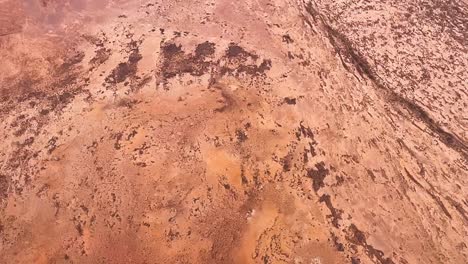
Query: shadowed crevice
{"type": "Point", "coordinates": [349, 55]}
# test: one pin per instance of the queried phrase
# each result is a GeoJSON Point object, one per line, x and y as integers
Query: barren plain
{"type": "Point", "coordinates": [219, 131]}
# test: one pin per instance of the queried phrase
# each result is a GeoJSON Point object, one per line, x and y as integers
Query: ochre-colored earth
{"type": "Point", "coordinates": [219, 131]}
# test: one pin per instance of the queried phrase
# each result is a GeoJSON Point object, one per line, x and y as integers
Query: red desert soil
{"type": "Point", "coordinates": [219, 131]}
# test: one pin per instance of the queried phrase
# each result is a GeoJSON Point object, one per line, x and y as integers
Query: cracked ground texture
{"type": "Point", "coordinates": [263, 131]}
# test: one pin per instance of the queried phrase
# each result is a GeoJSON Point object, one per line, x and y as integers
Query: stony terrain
{"type": "Point", "coordinates": [218, 131]}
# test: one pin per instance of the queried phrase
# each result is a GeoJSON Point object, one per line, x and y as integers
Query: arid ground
{"type": "Point", "coordinates": [220, 131]}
